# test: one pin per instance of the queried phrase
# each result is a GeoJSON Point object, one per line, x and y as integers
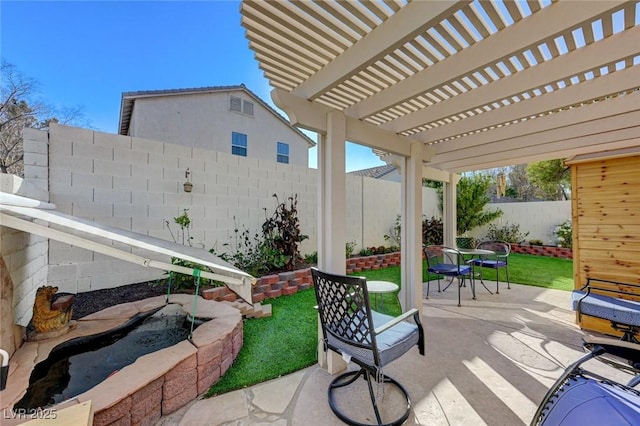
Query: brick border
{"type": "Point", "coordinates": [551, 251]}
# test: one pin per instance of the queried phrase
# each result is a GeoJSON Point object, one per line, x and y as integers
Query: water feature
{"type": "Point", "coordinates": [78, 365]}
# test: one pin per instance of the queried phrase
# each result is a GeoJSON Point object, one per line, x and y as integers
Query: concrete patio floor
{"type": "Point", "coordinates": [487, 362]}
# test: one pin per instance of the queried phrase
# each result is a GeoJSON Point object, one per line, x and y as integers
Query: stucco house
{"type": "Point", "coordinates": [229, 119]}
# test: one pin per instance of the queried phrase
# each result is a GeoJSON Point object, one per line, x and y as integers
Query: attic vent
{"type": "Point", "coordinates": [235, 104]}
{"type": "Point", "coordinates": [247, 107]}
{"type": "Point", "coordinates": [240, 105]}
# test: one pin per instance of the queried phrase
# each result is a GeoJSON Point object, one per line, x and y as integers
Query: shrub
{"type": "Point", "coordinates": [507, 233]}
{"type": "Point", "coordinates": [275, 249]}
{"type": "Point", "coordinates": [366, 252]}
{"type": "Point", "coordinates": [432, 231]}
{"type": "Point", "coordinates": [311, 257]}
{"type": "Point", "coordinates": [564, 234]}
{"type": "Point", "coordinates": [536, 242]}
{"type": "Point", "coordinates": [282, 232]}
{"type": "Point", "coordinates": [251, 253]}
{"type": "Point", "coordinates": [350, 247]}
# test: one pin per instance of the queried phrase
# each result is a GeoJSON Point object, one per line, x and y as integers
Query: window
{"type": "Point", "coordinates": [239, 144]}
{"type": "Point", "coordinates": [237, 104]}
{"type": "Point", "coordinates": [283, 153]}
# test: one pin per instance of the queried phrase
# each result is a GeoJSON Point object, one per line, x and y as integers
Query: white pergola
{"type": "Point", "coordinates": [445, 87]}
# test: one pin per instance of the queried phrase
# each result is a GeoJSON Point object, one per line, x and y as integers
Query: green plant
{"type": "Point", "coordinates": [366, 252]}
{"type": "Point", "coordinates": [394, 233]}
{"type": "Point", "coordinates": [564, 234]}
{"type": "Point", "coordinates": [432, 231]}
{"type": "Point", "coordinates": [507, 233]}
{"type": "Point", "coordinates": [182, 235]}
{"type": "Point", "coordinates": [472, 197]}
{"type": "Point", "coordinates": [311, 257]}
{"type": "Point", "coordinates": [282, 231]}
{"type": "Point", "coordinates": [350, 247]}
{"type": "Point", "coordinates": [536, 242]}
{"type": "Point", "coordinates": [251, 253]}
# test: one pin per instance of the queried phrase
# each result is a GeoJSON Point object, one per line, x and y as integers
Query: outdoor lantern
{"type": "Point", "coordinates": [188, 186]}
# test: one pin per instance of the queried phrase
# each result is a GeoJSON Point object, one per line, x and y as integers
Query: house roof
{"type": "Point", "coordinates": [127, 103]}
{"type": "Point", "coordinates": [479, 83]}
{"type": "Point", "coordinates": [375, 172]}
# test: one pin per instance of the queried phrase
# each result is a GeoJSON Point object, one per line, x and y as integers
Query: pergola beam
{"type": "Point", "coordinates": [508, 136]}
{"type": "Point", "coordinates": [595, 55]}
{"type": "Point", "coordinates": [530, 31]}
{"type": "Point", "coordinates": [585, 92]}
{"type": "Point", "coordinates": [312, 116]}
{"type": "Point", "coordinates": [410, 21]}
{"type": "Point", "coordinates": [525, 142]}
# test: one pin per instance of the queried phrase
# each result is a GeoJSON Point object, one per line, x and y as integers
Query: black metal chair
{"type": "Point", "coordinates": [495, 261]}
{"type": "Point", "coordinates": [448, 262]}
{"type": "Point", "coordinates": [581, 397]}
{"type": "Point", "coordinates": [370, 339]}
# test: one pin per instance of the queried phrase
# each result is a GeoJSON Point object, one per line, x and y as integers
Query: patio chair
{"type": "Point", "coordinates": [496, 261]}
{"type": "Point", "coordinates": [448, 262]}
{"type": "Point", "coordinates": [581, 397]}
{"type": "Point", "coordinates": [368, 338]}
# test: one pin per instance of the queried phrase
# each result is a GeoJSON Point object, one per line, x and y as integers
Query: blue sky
{"type": "Point", "coordinates": [86, 53]}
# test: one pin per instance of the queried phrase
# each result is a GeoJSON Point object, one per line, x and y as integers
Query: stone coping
{"type": "Point", "coordinates": [155, 384]}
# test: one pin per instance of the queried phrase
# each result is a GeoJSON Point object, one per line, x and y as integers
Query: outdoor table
{"type": "Point", "coordinates": [380, 287]}
{"type": "Point", "coordinates": [473, 253]}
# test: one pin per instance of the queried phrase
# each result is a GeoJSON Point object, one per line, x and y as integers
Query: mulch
{"type": "Point", "coordinates": [93, 301]}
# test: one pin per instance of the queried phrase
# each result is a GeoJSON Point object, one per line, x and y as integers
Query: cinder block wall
{"type": "Point", "coordinates": [25, 255]}
{"type": "Point", "coordinates": [137, 184]}
{"type": "Point", "coordinates": [538, 218]}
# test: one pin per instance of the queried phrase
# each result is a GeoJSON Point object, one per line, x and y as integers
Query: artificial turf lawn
{"type": "Point", "coordinates": [287, 341]}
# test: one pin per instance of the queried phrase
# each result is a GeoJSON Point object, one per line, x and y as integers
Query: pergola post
{"type": "Point", "coordinates": [449, 214]}
{"type": "Point", "coordinates": [332, 203]}
{"type": "Point", "coordinates": [411, 231]}
{"type": "Point", "coordinates": [332, 214]}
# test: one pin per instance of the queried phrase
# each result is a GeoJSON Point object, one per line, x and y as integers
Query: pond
{"type": "Point", "coordinates": [78, 365]}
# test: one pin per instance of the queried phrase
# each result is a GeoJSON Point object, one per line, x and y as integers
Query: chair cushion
{"type": "Point", "coordinates": [450, 269]}
{"type": "Point", "coordinates": [597, 305]}
{"type": "Point", "coordinates": [489, 263]}
{"type": "Point", "coordinates": [582, 401]}
{"type": "Point", "coordinates": [392, 343]}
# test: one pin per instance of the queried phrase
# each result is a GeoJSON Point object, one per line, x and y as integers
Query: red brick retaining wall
{"type": "Point", "coordinates": [285, 283]}
{"type": "Point", "coordinates": [552, 251]}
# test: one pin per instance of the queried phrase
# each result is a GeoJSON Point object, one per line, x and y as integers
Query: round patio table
{"type": "Point", "coordinates": [380, 287]}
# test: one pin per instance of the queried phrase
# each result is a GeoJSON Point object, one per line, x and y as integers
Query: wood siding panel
{"type": "Point", "coordinates": [606, 225]}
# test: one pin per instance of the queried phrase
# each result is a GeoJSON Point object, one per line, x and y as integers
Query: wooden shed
{"type": "Point", "coordinates": [606, 221]}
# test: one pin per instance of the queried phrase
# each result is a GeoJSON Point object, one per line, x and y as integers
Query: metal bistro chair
{"type": "Point", "coordinates": [582, 397]}
{"type": "Point", "coordinates": [497, 261]}
{"type": "Point", "coordinates": [448, 262]}
{"type": "Point", "coordinates": [370, 339]}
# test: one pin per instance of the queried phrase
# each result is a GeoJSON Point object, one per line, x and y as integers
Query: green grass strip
{"type": "Point", "coordinates": [276, 345]}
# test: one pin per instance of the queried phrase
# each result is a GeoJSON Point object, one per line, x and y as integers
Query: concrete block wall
{"type": "Point", "coordinates": [25, 258]}
{"type": "Point", "coordinates": [137, 184]}
{"type": "Point", "coordinates": [538, 218]}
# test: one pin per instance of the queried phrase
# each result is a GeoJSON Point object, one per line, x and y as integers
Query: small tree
{"type": "Point", "coordinates": [472, 197]}
{"type": "Point", "coordinates": [552, 179]}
